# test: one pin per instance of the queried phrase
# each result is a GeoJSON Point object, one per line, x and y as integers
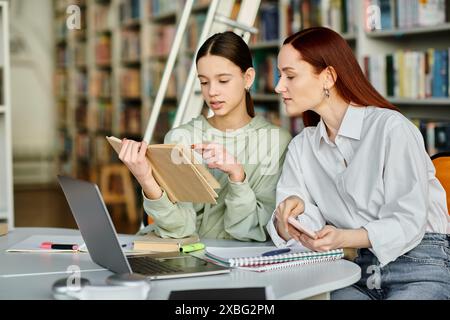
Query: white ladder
{"type": "Point", "coordinates": [191, 100]}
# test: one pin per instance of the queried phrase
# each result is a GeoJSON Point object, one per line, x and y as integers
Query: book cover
{"type": "Point", "coordinates": [154, 243]}
{"type": "Point", "coordinates": [198, 183]}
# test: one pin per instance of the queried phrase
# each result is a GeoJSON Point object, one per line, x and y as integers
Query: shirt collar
{"type": "Point", "coordinates": [351, 125]}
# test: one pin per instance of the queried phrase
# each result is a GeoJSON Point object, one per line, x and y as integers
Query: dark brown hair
{"type": "Point", "coordinates": [232, 47]}
{"type": "Point", "coordinates": [322, 47]}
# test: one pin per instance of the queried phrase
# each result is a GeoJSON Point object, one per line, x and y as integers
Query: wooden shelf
{"type": "Point", "coordinates": [200, 7]}
{"type": "Point", "coordinates": [2, 109]}
{"type": "Point", "coordinates": [273, 44]}
{"type": "Point", "coordinates": [409, 32]}
{"type": "Point", "coordinates": [265, 97]}
{"type": "Point", "coordinates": [420, 102]}
{"type": "Point", "coordinates": [349, 36]}
{"type": "Point", "coordinates": [169, 16]}
{"type": "Point", "coordinates": [131, 23]}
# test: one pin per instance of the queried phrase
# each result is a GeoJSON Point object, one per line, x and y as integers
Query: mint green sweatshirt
{"type": "Point", "coordinates": [243, 209]}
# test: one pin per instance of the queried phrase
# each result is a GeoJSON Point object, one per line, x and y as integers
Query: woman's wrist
{"type": "Point", "coordinates": [356, 238]}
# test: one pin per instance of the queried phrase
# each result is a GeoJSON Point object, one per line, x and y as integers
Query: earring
{"type": "Point", "coordinates": [326, 92]}
{"type": "Point", "coordinates": [247, 89]}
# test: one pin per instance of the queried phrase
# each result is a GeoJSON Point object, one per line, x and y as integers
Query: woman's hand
{"type": "Point", "coordinates": [290, 207]}
{"type": "Point", "coordinates": [133, 155]}
{"type": "Point", "coordinates": [329, 238]}
{"type": "Point", "coordinates": [217, 157]}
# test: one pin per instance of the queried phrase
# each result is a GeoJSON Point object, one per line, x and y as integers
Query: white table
{"type": "Point", "coordinates": [31, 275]}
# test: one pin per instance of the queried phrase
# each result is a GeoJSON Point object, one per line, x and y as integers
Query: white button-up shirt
{"type": "Point", "coordinates": [377, 176]}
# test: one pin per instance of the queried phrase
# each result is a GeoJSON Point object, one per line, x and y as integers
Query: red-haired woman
{"type": "Point", "coordinates": [359, 175]}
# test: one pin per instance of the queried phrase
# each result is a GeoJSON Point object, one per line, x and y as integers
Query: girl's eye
{"type": "Point", "coordinates": [203, 83]}
{"type": "Point", "coordinates": [290, 77]}
{"type": "Point", "coordinates": [224, 81]}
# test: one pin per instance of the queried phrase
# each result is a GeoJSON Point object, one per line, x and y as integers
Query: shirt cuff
{"type": "Point", "coordinates": [276, 239]}
{"type": "Point", "coordinates": [387, 240]}
{"type": "Point", "coordinates": [237, 189]}
{"type": "Point", "coordinates": [306, 218]}
{"type": "Point", "coordinates": [161, 204]}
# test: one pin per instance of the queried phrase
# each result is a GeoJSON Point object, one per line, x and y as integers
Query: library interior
{"type": "Point", "coordinates": [75, 71]}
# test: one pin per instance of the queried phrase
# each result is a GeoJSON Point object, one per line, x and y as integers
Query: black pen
{"type": "Point", "coordinates": [58, 246]}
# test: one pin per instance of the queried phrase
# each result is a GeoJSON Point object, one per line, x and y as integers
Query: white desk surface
{"type": "Point", "coordinates": [31, 275]}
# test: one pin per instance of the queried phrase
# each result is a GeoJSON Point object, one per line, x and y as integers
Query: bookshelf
{"type": "Point", "coordinates": [411, 66]}
{"type": "Point", "coordinates": [127, 42]}
{"type": "Point", "coordinates": [6, 187]}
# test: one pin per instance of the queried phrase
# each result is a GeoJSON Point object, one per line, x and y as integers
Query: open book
{"type": "Point", "coordinates": [183, 180]}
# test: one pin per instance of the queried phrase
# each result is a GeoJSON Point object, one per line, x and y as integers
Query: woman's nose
{"type": "Point", "coordinates": [280, 87]}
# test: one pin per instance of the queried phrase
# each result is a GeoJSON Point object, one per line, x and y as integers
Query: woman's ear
{"type": "Point", "coordinates": [329, 77]}
{"type": "Point", "coordinates": [249, 77]}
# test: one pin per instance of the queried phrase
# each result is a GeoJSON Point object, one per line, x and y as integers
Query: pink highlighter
{"type": "Point", "coordinates": [58, 246]}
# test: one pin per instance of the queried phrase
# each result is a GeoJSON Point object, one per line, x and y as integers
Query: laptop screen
{"type": "Point", "coordinates": [95, 224]}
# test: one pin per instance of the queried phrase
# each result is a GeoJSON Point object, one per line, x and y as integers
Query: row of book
{"type": "Point", "coordinates": [60, 27]}
{"type": "Point", "coordinates": [60, 83]}
{"type": "Point", "coordinates": [130, 120]}
{"type": "Point", "coordinates": [81, 82]}
{"type": "Point", "coordinates": [104, 116]}
{"type": "Point", "coordinates": [161, 40]}
{"type": "Point", "coordinates": [270, 114]}
{"type": "Point", "coordinates": [265, 65]}
{"type": "Point", "coordinates": [193, 31]}
{"type": "Point", "coordinates": [165, 121]}
{"type": "Point", "coordinates": [130, 83]}
{"type": "Point", "coordinates": [153, 77]}
{"type": "Point", "coordinates": [103, 17]}
{"type": "Point", "coordinates": [80, 53]}
{"type": "Point", "coordinates": [339, 15]}
{"type": "Point", "coordinates": [100, 86]}
{"type": "Point", "coordinates": [62, 56]}
{"type": "Point", "coordinates": [129, 10]}
{"type": "Point", "coordinates": [61, 112]}
{"type": "Point", "coordinates": [97, 119]}
{"type": "Point", "coordinates": [130, 46]}
{"type": "Point", "coordinates": [267, 22]}
{"type": "Point", "coordinates": [390, 14]}
{"type": "Point", "coordinates": [436, 135]}
{"type": "Point", "coordinates": [410, 74]}
{"type": "Point", "coordinates": [159, 7]}
{"type": "Point", "coordinates": [103, 50]}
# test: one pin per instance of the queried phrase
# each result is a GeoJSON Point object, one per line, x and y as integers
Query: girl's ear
{"type": "Point", "coordinates": [249, 77]}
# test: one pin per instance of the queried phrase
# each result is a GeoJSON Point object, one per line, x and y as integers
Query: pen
{"type": "Point", "coordinates": [192, 247]}
{"type": "Point", "coordinates": [58, 246]}
{"type": "Point", "coordinates": [275, 252]}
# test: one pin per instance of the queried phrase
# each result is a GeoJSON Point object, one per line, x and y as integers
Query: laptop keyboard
{"type": "Point", "coordinates": [148, 265]}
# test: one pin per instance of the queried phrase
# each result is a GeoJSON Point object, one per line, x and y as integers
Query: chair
{"type": "Point", "coordinates": [117, 189]}
{"type": "Point", "coordinates": [441, 162]}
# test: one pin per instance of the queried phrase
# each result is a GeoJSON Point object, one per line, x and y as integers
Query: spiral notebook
{"type": "Point", "coordinates": [250, 258]}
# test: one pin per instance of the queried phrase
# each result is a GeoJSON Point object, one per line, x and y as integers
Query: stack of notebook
{"type": "Point", "coordinates": [252, 258]}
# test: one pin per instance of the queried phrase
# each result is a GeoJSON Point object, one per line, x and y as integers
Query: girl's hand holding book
{"type": "Point", "coordinates": [217, 157]}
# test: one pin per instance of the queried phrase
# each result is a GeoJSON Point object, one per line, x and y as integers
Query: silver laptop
{"type": "Point", "coordinates": [100, 237]}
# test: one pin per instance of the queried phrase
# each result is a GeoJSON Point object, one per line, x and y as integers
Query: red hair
{"type": "Point", "coordinates": [322, 47]}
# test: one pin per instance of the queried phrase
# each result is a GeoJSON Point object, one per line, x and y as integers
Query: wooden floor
{"type": "Point", "coordinates": [46, 206]}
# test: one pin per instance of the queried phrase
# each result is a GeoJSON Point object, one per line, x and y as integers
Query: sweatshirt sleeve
{"type": "Point", "coordinates": [249, 208]}
{"type": "Point", "coordinates": [175, 220]}
{"type": "Point", "coordinates": [292, 183]}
